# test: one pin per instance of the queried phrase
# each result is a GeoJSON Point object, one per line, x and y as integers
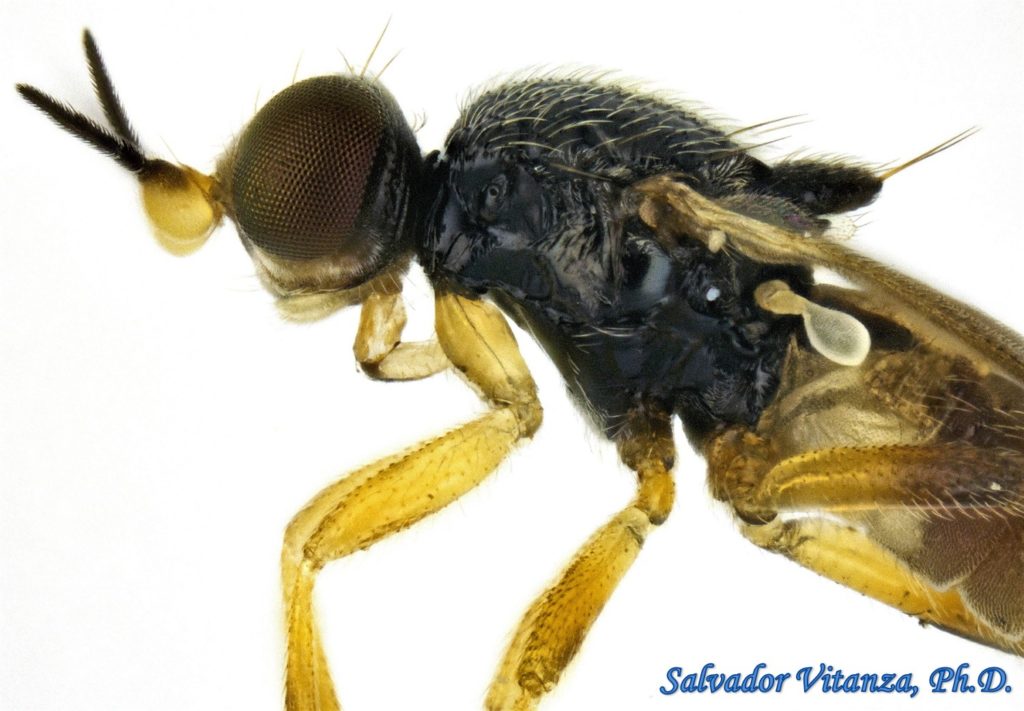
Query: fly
{"type": "Point", "coordinates": [869, 433]}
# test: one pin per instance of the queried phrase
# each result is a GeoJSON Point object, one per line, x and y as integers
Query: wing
{"type": "Point", "coordinates": [891, 458]}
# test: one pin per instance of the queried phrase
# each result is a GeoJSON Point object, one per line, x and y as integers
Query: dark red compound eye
{"type": "Point", "coordinates": [325, 169]}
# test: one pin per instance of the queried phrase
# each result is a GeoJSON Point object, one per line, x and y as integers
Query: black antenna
{"type": "Point", "coordinates": [112, 106]}
{"type": "Point", "coordinates": [123, 144]}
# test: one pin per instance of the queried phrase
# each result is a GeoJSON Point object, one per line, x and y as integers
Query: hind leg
{"type": "Point", "coordinates": [928, 530]}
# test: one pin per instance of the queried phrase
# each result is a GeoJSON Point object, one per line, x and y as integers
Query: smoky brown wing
{"type": "Point", "coordinates": [951, 513]}
{"type": "Point", "coordinates": [921, 448]}
{"type": "Point", "coordinates": [934, 529]}
{"type": "Point", "coordinates": [918, 449]}
{"type": "Point", "coordinates": [971, 539]}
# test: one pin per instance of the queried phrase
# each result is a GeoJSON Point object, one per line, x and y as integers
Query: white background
{"type": "Point", "coordinates": [159, 425]}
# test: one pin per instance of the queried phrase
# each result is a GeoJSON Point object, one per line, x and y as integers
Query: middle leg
{"type": "Point", "coordinates": [553, 628]}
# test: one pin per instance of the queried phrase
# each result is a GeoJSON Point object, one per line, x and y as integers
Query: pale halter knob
{"type": "Point", "coordinates": [836, 335]}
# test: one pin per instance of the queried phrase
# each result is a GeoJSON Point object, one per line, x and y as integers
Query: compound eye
{"type": "Point", "coordinates": [325, 169]}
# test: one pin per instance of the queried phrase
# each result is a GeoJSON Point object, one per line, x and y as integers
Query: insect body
{"type": "Point", "coordinates": [529, 217]}
{"type": "Point", "coordinates": [667, 272]}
